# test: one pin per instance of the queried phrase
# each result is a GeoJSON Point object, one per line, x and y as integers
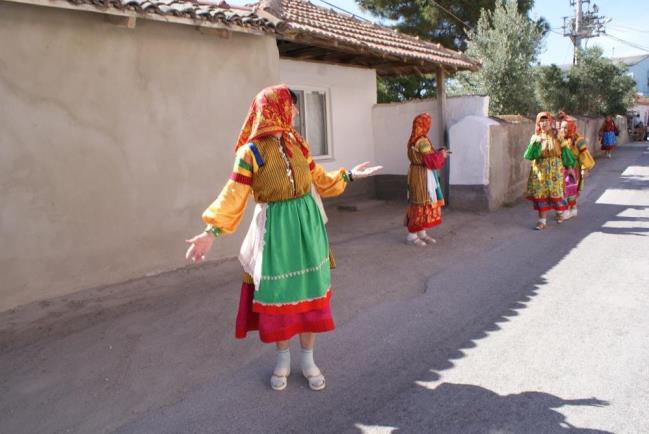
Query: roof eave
{"type": "Point", "coordinates": [392, 64]}
{"type": "Point", "coordinates": [63, 4]}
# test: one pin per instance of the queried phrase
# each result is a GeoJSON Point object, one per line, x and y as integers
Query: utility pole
{"type": "Point", "coordinates": [584, 25]}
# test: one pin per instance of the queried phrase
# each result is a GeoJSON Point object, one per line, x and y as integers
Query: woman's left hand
{"type": "Point", "coordinates": [363, 171]}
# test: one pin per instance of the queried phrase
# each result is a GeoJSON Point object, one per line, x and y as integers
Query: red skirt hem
{"type": "Point", "coordinates": [304, 306]}
{"type": "Point", "coordinates": [556, 203]}
{"type": "Point", "coordinates": [273, 327]}
{"type": "Point", "coordinates": [417, 228]}
{"type": "Point", "coordinates": [288, 332]}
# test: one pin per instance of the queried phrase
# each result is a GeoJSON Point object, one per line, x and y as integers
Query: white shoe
{"type": "Point", "coordinates": [428, 240]}
{"type": "Point", "coordinates": [316, 381]}
{"type": "Point", "coordinates": [278, 382]}
{"type": "Point", "coordinates": [415, 242]}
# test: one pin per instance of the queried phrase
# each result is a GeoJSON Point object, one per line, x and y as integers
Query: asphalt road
{"type": "Point", "coordinates": [543, 332]}
{"type": "Point", "coordinates": [496, 329]}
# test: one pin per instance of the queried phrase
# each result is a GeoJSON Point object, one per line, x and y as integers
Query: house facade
{"type": "Point", "coordinates": [638, 69]}
{"type": "Point", "coordinates": [119, 119]}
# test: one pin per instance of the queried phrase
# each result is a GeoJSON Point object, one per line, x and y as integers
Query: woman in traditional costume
{"type": "Point", "coordinates": [585, 162]}
{"type": "Point", "coordinates": [608, 136]}
{"type": "Point", "coordinates": [286, 258]}
{"type": "Point", "coordinates": [545, 185]}
{"type": "Point", "coordinates": [424, 191]}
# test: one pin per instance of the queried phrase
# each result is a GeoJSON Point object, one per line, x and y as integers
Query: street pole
{"type": "Point", "coordinates": [584, 25]}
{"type": "Point", "coordinates": [577, 39]}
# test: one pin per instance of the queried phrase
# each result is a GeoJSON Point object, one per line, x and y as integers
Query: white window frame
{"type": "Point", "coordinates": [328, 127]}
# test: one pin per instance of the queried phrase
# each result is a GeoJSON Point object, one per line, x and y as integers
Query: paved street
{"type": "Point", "coordinates": [496, 329]}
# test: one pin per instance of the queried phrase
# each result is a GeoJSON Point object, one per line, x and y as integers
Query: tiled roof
{"type": "Point", "coordinates": [203, 12]}
{"type": "Point", "coordinates": [306, 18]}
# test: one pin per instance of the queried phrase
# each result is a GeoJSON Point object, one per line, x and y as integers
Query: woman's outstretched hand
{"type": "Point", "coordinates": [198, 247]}
{"type": "Point", "coordinates": [363, 171]}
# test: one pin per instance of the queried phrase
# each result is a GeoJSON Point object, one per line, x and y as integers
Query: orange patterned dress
{"type": "Point", "coordinates": [425, 196]}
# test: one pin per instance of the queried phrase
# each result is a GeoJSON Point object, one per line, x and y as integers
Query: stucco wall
{"type": "Point", "coordinates": [393, 124]}
{"type": "Point", "coordinates": [112, 142]}
{"type": "Point", "coordinates": [509, 171]}
{"type": "Point", "coordinates": [352, 93]}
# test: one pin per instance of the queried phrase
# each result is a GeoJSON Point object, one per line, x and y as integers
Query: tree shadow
{"type": "Point", "coordinates": [465, 408]}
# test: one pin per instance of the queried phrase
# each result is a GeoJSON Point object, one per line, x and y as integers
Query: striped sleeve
{"type": "Point", "coordinates": [245, 164]}
{"type": "Point", "coordinates": [226, 212]}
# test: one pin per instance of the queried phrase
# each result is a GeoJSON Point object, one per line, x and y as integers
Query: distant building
{"type": "Point", "coordinates": [638, 69]}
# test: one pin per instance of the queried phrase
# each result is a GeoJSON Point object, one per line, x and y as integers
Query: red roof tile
{"type": "Point", "coordinates": [199, 12]}
{"type": "Point", "coordinates": [306, 18]}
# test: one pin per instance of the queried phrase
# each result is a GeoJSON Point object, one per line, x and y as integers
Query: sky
{"type": "Point", "coordinates": [629, 22]}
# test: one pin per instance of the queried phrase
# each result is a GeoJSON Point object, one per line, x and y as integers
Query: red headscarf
{"type": "Point", "coordinates": [609, 124]}
{"type": "Point", "coordinates": [548, 115]}
{"type": "Point", "coordinates": [420, 127]}
{"type": "Point", "coordinates": [571, 127]}
{"type": "Point", "coordinates": [271, 112]}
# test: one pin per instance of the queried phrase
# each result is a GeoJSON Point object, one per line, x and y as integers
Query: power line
{"type": "Point", "coordinates": [584, 25]}
{"type": "Point", "coordinates": [344, 10]}
{"type": "Point", "coordinates": [630, 44]}
{"type": "Point", "coordinates": [628, 29]}
{"type": "Point", "coordinates": [451, 14]}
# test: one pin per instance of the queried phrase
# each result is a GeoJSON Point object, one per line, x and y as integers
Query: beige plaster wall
{"type": "Point", "coordinates": [112, 142]}
{"type": "Point", "coordinates": [508, 171]}
{"type": "Point", "coordinates": [351, 95]}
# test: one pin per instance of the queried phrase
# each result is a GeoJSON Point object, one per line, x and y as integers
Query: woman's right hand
{"type": "Point", "coordinates": [199, 246]}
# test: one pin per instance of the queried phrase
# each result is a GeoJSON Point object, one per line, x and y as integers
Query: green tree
{"type": "Point", "coordinates": [507, 43]}
{"type": "Point", "coordinates": [405, 87]}
{"type": "Point", "coordinates": [594, 86]}
{"type": "Point", "coordinates": [427, 19]}
{"type": "Point", "coordinates": [600, 86]}
{"type": "Point", "coordinates": [553, 89]}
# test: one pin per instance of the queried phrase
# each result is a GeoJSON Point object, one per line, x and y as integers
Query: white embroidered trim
{"type": "Point", "coordinates": [297, 273]}
{"type": "Point", "coordinates": [293, 303]}
{"type": "Point", "coordinates": [289, 171]}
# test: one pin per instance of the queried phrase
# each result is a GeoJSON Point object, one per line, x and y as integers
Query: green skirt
{"type": "Point", "coordinates": [295, 275]}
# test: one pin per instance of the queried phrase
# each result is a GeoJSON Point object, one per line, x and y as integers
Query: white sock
{"type": "Point", "coordinates": [574, 212]}
{"type": "Point", "coordinates": [309, 367]}
{"type": "Point", "coordinates": [411, 236]}
{"type": "Point", "coordinates": [543, 220]}
{"type": "Point", "coordinates": [422, 234]}
{"type": "Point", "coordinates": [283, 366]}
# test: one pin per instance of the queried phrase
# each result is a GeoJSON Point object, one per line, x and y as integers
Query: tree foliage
{"type": "Point", "coordinates": [553, 90]}
{"type": "Point", "coordinates": [426, 19]}
{"type": "Point", "coordinates": [507, 43]}
{"type": "Point", "coordinates": [406, 87]}
{"type": "Point", "coordinates": [594, 86]}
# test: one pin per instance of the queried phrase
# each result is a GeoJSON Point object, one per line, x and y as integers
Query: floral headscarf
{"type": "Point", "coordinates": [420, 127]}
{"type": "Point", "coordinates": [271, 112]}
{"type": "Point", "coordinates": [547, 115]}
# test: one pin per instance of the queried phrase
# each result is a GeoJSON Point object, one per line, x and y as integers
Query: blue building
{"type": "Point", "coordinates": [638, 70]}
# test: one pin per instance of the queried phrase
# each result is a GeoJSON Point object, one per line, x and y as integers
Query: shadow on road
{"type": "Point", "coordinates": [464, 408]}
